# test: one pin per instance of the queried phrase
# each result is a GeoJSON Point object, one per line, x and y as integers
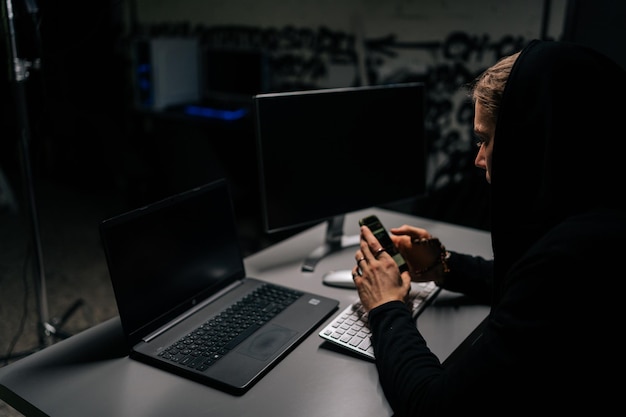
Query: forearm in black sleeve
{"type": "Point", "coordinates": [405, 364]}
{"type": "Point", "coordinates": [470, 275]}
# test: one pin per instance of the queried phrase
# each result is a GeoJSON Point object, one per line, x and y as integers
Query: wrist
{"type": "Point", "coordinates": [441, 257]}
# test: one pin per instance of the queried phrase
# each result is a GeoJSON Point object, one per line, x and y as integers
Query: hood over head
{"type": "Point", "coordinates": [557, 146]}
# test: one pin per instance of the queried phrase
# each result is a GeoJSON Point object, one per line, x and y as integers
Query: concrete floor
{"type": "Point", "coordinates": [74, 269]}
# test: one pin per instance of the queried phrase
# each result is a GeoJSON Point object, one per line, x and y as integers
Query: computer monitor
{"type": "Point", "coordinates": [327, 152]}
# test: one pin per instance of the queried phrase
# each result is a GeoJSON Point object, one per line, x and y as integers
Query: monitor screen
{"type": "Point", "coordinates": [324, 153]}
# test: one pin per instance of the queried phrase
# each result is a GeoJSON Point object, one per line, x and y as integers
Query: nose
{"type": "Point", "coordinates": [479, 162]}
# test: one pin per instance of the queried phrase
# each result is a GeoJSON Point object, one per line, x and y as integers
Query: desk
{"type": "Point", "coordinates": [89, 374]}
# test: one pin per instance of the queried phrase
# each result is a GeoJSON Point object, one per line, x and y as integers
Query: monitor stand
{"type": "Point", "coordinates": [335, 241]}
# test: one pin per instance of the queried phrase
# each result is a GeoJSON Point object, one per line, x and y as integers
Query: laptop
{"type": "Point", "coordinates": [175, 267]}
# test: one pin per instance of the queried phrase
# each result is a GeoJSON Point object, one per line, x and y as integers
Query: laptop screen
{"type": "Point", "coordinates": [168, 256]}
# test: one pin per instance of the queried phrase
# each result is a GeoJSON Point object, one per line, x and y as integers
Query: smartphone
{"type": "Point", "coordinates": [377, 228]}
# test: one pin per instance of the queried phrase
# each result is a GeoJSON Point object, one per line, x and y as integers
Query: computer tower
{"type": "Point", "coordinates": [166, 72]}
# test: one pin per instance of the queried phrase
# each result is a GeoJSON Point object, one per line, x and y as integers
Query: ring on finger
{"type": "Point", "coordinates": [358, 262]}
{"type": "Point", "coordinates": [378, 252]}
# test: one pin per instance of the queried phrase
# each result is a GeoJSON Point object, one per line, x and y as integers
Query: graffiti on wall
{"type": "Point", "coordinates": [306, 58]}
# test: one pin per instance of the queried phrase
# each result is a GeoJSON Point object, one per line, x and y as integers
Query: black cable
{"type": "Point", "coordinates": [20, 330]}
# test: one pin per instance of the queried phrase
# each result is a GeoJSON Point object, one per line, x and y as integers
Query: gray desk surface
{"type": "Point", "coordinates": [89, 374]}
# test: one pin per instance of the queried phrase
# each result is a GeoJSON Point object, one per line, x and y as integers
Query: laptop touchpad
{"type": "Point", "coordinates": [267, 341]}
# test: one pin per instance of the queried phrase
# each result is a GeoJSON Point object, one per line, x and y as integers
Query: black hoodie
{"type": "Point", "coordinates": [551, 342]}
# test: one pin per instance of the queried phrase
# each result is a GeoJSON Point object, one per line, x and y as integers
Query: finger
{"type": "Point", "coordinates": [355, 273]}
{"type": "Point", "coordinates": [405, 279]}
{"type": "Point", "coordinates": [373, 245]}
{"type": "Point", "coordinates": [360, 260]}
{"type": "Point", "coordinates": [379, 252]}
{"type": "Point", "coordinates": [411, 231]}
{"type": "Point", "coordinates": [366, 236]}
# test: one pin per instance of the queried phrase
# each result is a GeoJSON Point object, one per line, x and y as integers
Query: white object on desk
{"type": "Point", "coordinates": [341, 278]}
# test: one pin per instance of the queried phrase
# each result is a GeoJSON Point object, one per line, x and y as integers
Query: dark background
{"type": "Point", "coordinates": [94, 155]}
{"type": "Point", "coordinates": [85, 131]}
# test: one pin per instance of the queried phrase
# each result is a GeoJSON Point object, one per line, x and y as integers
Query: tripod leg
{"type": "Point", "coordinates": [18, 77]}
{"type": "Point", "coordinates": [58, 322]}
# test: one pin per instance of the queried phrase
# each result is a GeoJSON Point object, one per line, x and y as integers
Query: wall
{"type": "Point", "coordinates": [411, 20]}
{"type": "Point", "coordinates": [330, 43]}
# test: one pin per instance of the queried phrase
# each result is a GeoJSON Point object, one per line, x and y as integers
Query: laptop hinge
{"type": "Point", "coordinates": [191, 311]}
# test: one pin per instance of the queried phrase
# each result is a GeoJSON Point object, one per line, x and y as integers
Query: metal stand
{"type": "Point", "coordinates": [334, 241]}
{"type": "Point", "coordinates": [47, 329]}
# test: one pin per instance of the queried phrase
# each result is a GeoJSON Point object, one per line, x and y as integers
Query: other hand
{"type": "Point", "coordinates": [421, 251]}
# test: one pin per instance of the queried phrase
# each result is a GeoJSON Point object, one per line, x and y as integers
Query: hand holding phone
{"type": "Point", "coordinates": [379, 231]}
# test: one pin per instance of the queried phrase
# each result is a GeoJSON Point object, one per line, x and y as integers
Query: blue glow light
{"type": "Point", "coordinates": [143, 68]}
{"type": "Point", "coordinates": [213, 113]}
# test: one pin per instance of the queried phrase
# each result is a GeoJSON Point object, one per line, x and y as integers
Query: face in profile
{"type": "Point", "coordinates": [484, 129]}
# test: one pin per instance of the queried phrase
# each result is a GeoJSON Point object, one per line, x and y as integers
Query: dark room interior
{"type": "Point", "coordinates": [76, 148]}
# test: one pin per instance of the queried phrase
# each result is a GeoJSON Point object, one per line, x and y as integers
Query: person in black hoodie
{"type": "Point", "coordinates": [549, 121]}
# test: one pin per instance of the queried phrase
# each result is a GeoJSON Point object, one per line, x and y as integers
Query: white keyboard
{"type": "Point", "coordinates": [349, 329]}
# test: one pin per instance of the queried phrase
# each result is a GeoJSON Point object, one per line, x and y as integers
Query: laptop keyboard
{"type": "Point", "coordinates": [350, 330]}
{"type": "Point", "coordinates": [211, 340]}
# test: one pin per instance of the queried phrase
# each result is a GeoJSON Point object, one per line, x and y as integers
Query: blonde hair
{"type": "Point", "coordinates": [488, 87]}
